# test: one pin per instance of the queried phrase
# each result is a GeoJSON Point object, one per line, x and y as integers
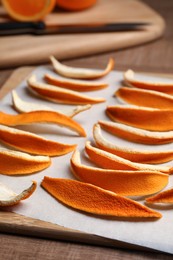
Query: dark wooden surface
{"type": "Point", "coordinates": [152, 57]}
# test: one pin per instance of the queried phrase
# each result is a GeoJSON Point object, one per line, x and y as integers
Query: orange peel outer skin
{"type": "Point", "coordinates": [34, 144]}
{"type": "Point", "coordinates": [125, 183]}
{"type": "Point", "coordinates": [162, 197]}
{"type": "Point", "coordinates": [76, 86]}
{"type": "Point", "coordinates": [92, 199]}
{"type": "Point", "coordinates": [133, 136]}
{"type": "Point", "coordinates": [41, 117]}
{"type": "Point", "coordinates": [149, 119]}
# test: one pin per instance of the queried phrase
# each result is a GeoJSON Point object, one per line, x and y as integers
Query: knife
{"type": "Point", "coordinates": [40, 28]}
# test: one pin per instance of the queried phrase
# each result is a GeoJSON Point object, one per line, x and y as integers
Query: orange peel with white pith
{"type": "Point", "coordinates": [129, 79]}
{"type": "Point", "coordinates": [61, 95]}
{"type": "Point", "coordinates": [74, 84]}
{"type": "Point", "coordinates": [111, 161]}
{"type": "Point", "coordinates": [162, 197]}
{"type": "Point", "coordinates": [137, 135]}
{"type": "Point", "coordinates": [22, 106]}
{"type": "Point", "coordinates": [80, 73]}
{"type": "Point", "coordinates": [125, 183]}
{"type": "Point", "coordinates": [48, 117]}
{"type": "Point", "coordinates": [95, 200]}
{"type": "Point", "coordinates": [134, 155]}
{"type": "Point", "coordinates": [142, 117]}
{"type": "Point", "coordinates": [32, 143]}
{"type": "Point", "coordinates": [19, 163]}
{"type": "Point", "coordinates": [9, 198]}
{"type": "Point", "coordinates": [145, 98]}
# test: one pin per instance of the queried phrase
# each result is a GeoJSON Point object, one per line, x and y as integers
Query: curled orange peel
{"type": "Point", "coordinates": [137, 135]}
{"type": "Point", "coordinates": [49, 117]}
{"type": "Point", "coordinates": [74, 84]}
{"type": "Point", "coordinates": [92, 199]}
{"type": "Point", "coordinates": [32, 143]}
{"type": "Point", "coordinates": [134, 155]}
{"type": "Point", "coordinates": [80, 73]}
{"type": "Point", "coordinates": [142, 117]}
{"type": "Point", "coordinates": [145, 98]}
{"type": "Point", "coordinates": [162, 197]}
{"type": "Point", "coordinates": [9, 198]}
{"type": "Point", "coordinates": [19, 163]}
{"type": "Point", "coordinates": [108, 160]}
{"type": "Point", "coordinates": [129, 79]}
{"type": "Point", "coordinates": [61, 95]}
{"type": "Point", "coordinates": [23, 107]}
{"type": "Point", "coordinates": [125, 183]}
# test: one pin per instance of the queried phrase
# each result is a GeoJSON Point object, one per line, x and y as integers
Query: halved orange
{"type": "Point", "coordinates": [137, 135]}
{"type": "Point", "coordinates": [9, 198]}
{"type": "Point", "coordinates": [134, 155]}
{"type": "Point", "coordinates": [129, 78]}
{"type": "Point", "coordinates": [123, 182]}
{"type": "Point", "coordinates": [92, 199]}
{"type": "Point", "coordinates": [28, 10]}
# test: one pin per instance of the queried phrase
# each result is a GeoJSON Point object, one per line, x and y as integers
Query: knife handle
{"type": "Point", "coordinates": [20, 26]}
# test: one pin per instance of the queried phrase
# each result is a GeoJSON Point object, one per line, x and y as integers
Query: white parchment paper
{"type": "Point", "coordinates": [152, 234]}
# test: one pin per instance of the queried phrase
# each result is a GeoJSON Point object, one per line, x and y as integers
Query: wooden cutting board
{"type": "Point", "coordinates": [28, 49]}
{"type": "Point", "coordinates": [17, 224]}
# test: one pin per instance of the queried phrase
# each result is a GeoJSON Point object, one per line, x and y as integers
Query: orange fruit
{"type": "Point", "coordinates": [75, 5]}
{"type": "Point", "coordinates": [28, 10]}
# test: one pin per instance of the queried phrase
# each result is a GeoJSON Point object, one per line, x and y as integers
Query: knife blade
{"type": "Point", "coordinates": [40, 28]}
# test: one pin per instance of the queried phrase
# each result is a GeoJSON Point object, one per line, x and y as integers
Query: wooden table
{"type": "Point", "coordinates": [154, 57]}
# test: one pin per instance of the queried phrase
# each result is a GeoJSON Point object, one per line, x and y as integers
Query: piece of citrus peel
{"type": "Point", "coordinates": [81, 73]}
{"type": "Point", "coordinates": [23, 107]}
{"type": "Point", "coordinates": [9, 198]}
{"type": "Point", "coordinates": [134, 155]}
{"type": "Point", "coordinates": [32, 143]}
{"type": "Point", "coordinates": [61, 95]}
{"type": "Point", "coordinates": [92, 199]}
{"type": "Point", "coordinates": [48, 117]}
{"type": "Point", "coordinates": [129, 79]}
{"type": "Point", "coordinates": [125, 183]}
{"type": "Point", "coordinates": [162, 197]}
{"type": "Point", "coordinates": [145, 98]}
{"type": "Point", "coordinates": [111, 161]}
{"type": "Point", "coordinates": [142, 117]}
{"type": "Point", "coordinates": [74, 84]}
{"type": "Point", "coordinates": [135, 134]}
{"type": "Point", "coordinates": [19, 163]}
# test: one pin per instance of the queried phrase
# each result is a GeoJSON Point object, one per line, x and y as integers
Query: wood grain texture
{"type": "Point", "coordinates": [29, 49]}
{"type": "Point", "coordinates": [156, 56]}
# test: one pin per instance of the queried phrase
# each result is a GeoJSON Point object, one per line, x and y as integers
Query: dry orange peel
{"type": "Point", "coordinates": [80, 73]}
{"type": "Point", "coordinates": [74, 84]}
{"type": "Point", "coordinates": [162, 197]}
{"type": "Point", "coordinates": [108, 160]}
{"type": "Point", "coordinates": [19, 163]}
{"type": "Point", "coordinates": [32, 143]}
{"type": "Point", "coordinates": [9, 198]}
{"type": "Point", "coordinates": [92, 199]}
{"type": "Point", "coordinates": [48, 117]}
{"type": "Point", "coordinates": [24, 107]}
{"type": "Point", "coordinates": [137, 135]}
{"type": "Point", "coordinates": [60, 95]}
{"type": "Point", "coordinates": [142, 117]}
{"type": "Point", "coordinates": [145, 98]}
{"type": "Point", "coordinates": [125, 183]}
{"type": "Point", "coordinates": [134, 155]}
{"type": "Point", "coordinates": [129, 78]}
